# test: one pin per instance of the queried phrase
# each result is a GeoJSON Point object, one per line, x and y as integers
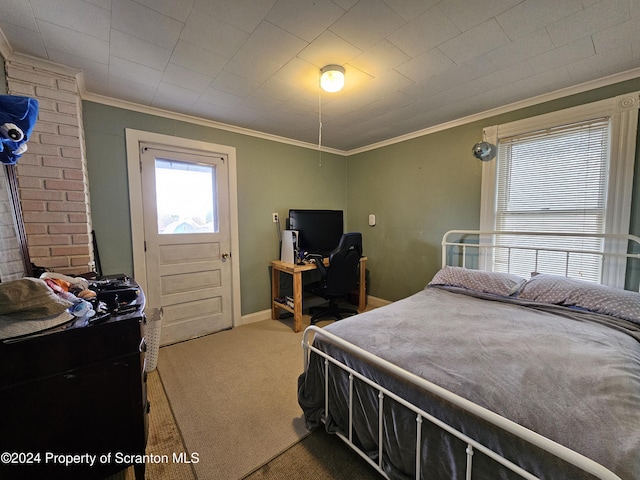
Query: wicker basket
{"type": "Point", "coordinates": [152, 338]}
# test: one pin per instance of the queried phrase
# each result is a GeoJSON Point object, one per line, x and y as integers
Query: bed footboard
{"type": "Point", "coordinates": [472, 446]}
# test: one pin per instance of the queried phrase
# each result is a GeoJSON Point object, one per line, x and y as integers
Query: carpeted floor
{"type": "Point", "coordinates": [164, 438]}
{"type": "Point", "coordinates": [320, 456]}
{"type": "Point", "coordinates": [233, 394]}
{"type": "Point", "coordinates": [315, 456]}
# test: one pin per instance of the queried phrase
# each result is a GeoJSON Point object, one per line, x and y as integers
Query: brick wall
{"type": "Point", "coordinates": [52, 174]}
{"type": "Point", "coordinates": [11, 266]}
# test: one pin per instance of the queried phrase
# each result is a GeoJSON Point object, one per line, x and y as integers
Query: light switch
{"type": "Point", "coordinates": [372, 219]}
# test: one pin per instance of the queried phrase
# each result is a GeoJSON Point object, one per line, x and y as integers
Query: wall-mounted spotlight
{"type": "Point", "coordinates": [484, 151]}
{"type": "Point", "coordinates": [332, 78]}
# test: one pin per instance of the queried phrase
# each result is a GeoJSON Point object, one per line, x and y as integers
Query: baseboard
{"type": "Point", "coordinates": [377, 302]}
{"type": "Point", "coordinates": [254, 317]}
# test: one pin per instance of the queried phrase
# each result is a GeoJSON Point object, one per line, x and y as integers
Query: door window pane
{"type": "Point", "coordinates": [186, 197]}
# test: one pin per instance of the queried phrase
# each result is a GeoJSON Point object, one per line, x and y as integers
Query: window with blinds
{"type": "Point", "coordinates": [554, 180]}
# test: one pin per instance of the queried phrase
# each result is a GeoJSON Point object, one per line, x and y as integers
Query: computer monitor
{"type": "Point", "coordinates": [319, 230]}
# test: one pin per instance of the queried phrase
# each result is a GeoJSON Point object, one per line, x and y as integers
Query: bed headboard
{"type": "Point", "coordinates": [610, 259]}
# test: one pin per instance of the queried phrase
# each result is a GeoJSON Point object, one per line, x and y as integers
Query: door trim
{"type": "Point", "coordinates": [133, 140]}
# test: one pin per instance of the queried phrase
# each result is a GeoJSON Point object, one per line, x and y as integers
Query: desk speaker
{"type": "Point", "coordinates": [289, 247]}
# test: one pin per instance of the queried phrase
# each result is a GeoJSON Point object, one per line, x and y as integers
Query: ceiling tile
{"type": "Point", "coordinates": [275, 88]}
{"type": "Point", "coordinates": [180, 95]}
{"type": "Point", "coordinates": [424, 32]}
{"type": "Point", "coordinates": [134, 72]}
{"type": "Point", "coordinates": [219, 98]}
{"type": "Point", "coordinates": [410, 9]}
{"type": "Point", "coordinates": [234, 84]}
{"type": "Point", "coordinates": [329, 49]}
{"type": "Point", "coordinates": [426, 65]}
{"type": "Point", "coordinates": [197, 59]}
{"type": "Point", "coordinates": [76, 15]}
{"type": "Point", "coordinates": [465, 14]}
{"type": "Point", "coordinates": [618, 36]}
{"type": "Point", "coordinates": [346, 4]}
{"type": "Point", "coordinates": [380, 58]}
{"type": "Point", "coordinates": [450, 78]}
{"type": "Point", "coordinates": [137, 50]}
{"type": "Point", "coordinates": [19, 13]}
{"type": "Point", "coordinates": [73, 42]}
{"type": "Point", "coordinates": [142, 22]}
{"type": "Point", "coordinates": [131, 91]}
{"type": "Point", "coordinates": [251, 65]}
{"type": "Point", "coordinates": [505, 76]}
{"type": "Point", "coordinates": [603, 15]}
{"type": "Point", "coordinates": [90, 68]}
{"type": "Point", "coordinates": [603, 64]}
{"type": "Point", "coordinates": [537, 84]}
{"type": "Point", "coordinates": [24, 40]}
{"type": "Point", "coordinates": [564, 55]}
{"type": "Point", "coordinates": [532, 15]}
{"type": "Point", "coordinates": [106, 4]}
{"type": "Point", "coordinates": [210, 33]}
{"type": "Point", "coordinates": [299, 73]}
{"type": "Point", "coordinates": [304, 18]}
{"type": "Point", "coordinates": [370, 91]}
{"type": "Point", "coordinates": [521, 49]}
{"type": "Point", "coordinates": [185, 78]}
{"type": "Point", "coordinates": [476, 41]}
{"type": "Point", "coordinates": [367, 23]}
{"type": "Point", "coordinates": [243, 14]}
{"type": "Point", "coordinates": [178, 9]}
{"type": "Point", "coordinates": [267, 34]}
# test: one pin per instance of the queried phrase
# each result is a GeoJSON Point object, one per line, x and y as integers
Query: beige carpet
{"type": "Point", "coordinates": [164, 439]}
{"type": "Point", "coordinates": [234, 400]}
{"type": "Point", "coordinates": [319, 456]}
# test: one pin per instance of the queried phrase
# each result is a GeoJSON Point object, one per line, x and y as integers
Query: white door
{"type": "Point", "coordinates": [187, 240]}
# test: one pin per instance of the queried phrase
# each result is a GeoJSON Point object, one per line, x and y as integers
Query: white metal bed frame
{"type": "Point", "coordinates": [559, 451]}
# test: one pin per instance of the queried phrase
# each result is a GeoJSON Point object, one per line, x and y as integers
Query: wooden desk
{"type": "Point", "coordinates": [296, 271]}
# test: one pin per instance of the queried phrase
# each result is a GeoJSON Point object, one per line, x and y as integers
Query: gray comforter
{"type": "Point", "coordinates": [571, 376]}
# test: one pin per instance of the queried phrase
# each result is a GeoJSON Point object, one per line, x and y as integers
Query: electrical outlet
{"type": "Point", "coordinates": [275, 217]}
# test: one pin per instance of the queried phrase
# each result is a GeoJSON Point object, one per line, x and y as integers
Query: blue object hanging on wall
{"type": "Point", "coordinates": [18, 116]}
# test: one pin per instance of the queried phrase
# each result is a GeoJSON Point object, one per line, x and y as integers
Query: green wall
{"type": "Point", "coordinates": [421, 188]}
{"type": "Point", "coordinates": [272, 177]}
{"type": "Point", "coordinates": [418, 189]}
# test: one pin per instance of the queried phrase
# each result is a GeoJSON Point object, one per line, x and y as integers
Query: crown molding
{"type": "Point", "coordinates": [564, 92]}
{"type": "Point", "coordinates": [136, 107]}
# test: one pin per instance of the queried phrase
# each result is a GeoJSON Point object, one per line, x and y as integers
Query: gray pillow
{"type": "Point", "coordinates": [578, 293]}
{"type": "Point", "coordinates": [503, 284]}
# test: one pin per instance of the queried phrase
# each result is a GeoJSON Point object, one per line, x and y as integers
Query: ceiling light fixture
{"type": "Point", "coordinates": [332, 78]}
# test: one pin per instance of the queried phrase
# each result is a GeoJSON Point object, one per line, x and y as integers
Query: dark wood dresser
{"type": "Point", "coordinates": [73, 399]}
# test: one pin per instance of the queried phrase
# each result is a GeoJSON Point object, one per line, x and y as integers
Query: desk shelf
{"type": "Point", "coordinates": [283, 306]}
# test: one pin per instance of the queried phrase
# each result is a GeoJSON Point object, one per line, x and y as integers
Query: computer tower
{"type": "Point", "coordinates": [289, 247]}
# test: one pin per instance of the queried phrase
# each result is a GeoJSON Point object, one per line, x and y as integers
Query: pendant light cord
{"type": "Point", "coordinates": [320, 127]}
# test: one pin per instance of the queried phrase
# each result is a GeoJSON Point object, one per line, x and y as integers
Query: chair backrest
{"type": "Point", "coordinates": [342, 273]}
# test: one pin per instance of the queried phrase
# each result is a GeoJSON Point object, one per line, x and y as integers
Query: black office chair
{"type": "Point", "coordinates": [339, 278]}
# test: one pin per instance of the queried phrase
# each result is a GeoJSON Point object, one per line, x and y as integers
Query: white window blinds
{"type": "Point", "coordinates": [554, 180]}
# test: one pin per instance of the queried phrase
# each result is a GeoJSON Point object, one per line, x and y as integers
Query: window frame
{"type": "Point", "coordinates": [622, 112]}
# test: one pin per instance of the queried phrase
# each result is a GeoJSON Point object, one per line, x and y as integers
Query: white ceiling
{"type": "Point", "coordinates": [409, 64]}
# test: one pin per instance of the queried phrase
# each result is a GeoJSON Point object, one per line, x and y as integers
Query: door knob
{"type": "Point", "coordinates": [226, 255]}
